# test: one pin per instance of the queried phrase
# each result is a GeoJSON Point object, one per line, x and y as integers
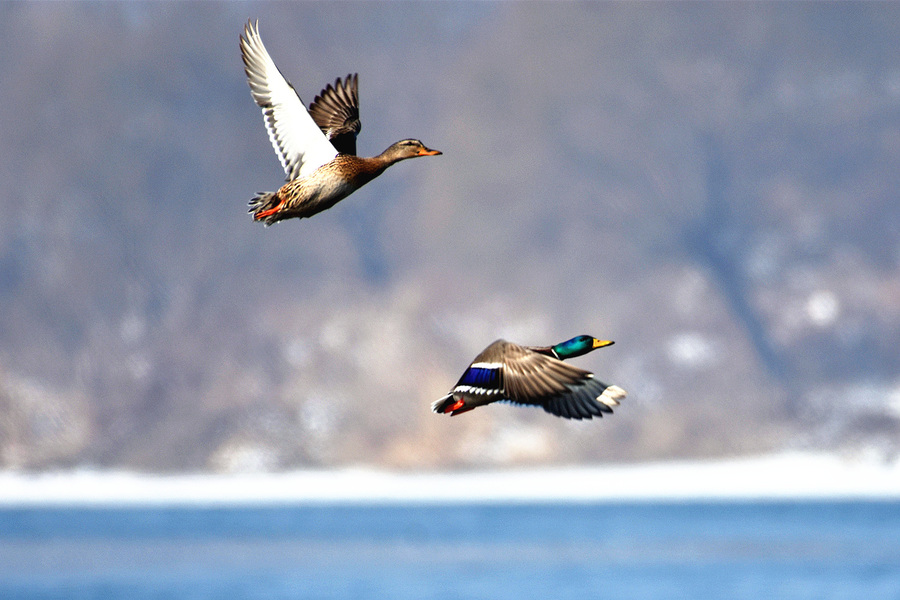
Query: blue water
{"type": "Point", "coordinates": [666, 551]}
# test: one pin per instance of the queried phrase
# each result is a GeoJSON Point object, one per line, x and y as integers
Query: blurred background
{"type": "Point", "coordinates": [713, 186]}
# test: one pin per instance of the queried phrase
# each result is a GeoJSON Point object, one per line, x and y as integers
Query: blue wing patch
{"type": "Point", "coordinates": [481, 377]}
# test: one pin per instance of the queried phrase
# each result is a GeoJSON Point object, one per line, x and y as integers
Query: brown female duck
{"type": "Point", "coordinates": [317, 148]}
{"type": "Point", "coordinates": [534, 375]}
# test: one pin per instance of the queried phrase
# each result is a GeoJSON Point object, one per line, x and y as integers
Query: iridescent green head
{"type": "Point", "coordinates": [579, 345]}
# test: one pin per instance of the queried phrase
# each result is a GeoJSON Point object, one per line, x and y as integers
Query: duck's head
{"type": "Point", "coordinates": [408, 149]}
{"type": "Point", "coordinates": [578, 345]}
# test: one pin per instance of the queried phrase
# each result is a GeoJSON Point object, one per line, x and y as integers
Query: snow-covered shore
{"type": "Point", "coordinates": [783, 476]}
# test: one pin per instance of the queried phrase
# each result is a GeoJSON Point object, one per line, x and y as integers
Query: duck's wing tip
{"type": "Point", "coordinates": [300, 145]}
{"type": "Point", "coordinates": [336, 111]}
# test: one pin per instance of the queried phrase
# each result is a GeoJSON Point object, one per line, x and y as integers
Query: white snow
{"type": "Point", "coordinates": [793, 475]}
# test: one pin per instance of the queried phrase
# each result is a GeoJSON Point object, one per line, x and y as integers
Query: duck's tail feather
{"type": "Point", "coordinates": [265, 207]}
{"type": "Point", "coordinates": [449, 404]}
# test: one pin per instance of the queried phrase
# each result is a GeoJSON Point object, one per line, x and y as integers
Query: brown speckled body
{"type": "Point", "coordinates": [330, 183]}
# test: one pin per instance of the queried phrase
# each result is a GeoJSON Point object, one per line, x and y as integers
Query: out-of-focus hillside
{"type": "Point", "coordinates": [715, 187]}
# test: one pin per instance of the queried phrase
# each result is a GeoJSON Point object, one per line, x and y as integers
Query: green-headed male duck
{"type": "Point", "coordinates": [534, 375]}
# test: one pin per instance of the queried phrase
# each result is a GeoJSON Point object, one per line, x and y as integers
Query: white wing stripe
{"type": "Point", "coordinates": [468, 389]}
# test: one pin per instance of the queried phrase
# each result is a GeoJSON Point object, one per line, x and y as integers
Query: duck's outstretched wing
{"type": "Point", "coordinates": [299, 143]}
{"type": "Point", "coordinates": [336, 111]}
{"type": "Point", "coordinates": [560, 388]}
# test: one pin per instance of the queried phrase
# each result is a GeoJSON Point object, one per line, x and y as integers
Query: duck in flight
{"type": "Point", "coordinates": [316, 147]}
{"type": "Point", "coordinates": [534, 375]}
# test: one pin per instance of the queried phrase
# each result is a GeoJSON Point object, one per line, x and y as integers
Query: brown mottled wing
{"type": "Point", "coordinates": [531, 378]}
{"type": "Point", "coordinates": [561, 389]}
{"type": "Point", "coordinates": [336, 111]}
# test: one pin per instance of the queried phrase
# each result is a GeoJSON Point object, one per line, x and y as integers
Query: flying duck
{"type": "Point", "coordinates": [534, 375]}
{"type": "Point", "coordinates": [316, 147]}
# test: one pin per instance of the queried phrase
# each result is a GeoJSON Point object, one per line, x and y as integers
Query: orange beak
{"type": "Point", "coordinates": [428, 152]}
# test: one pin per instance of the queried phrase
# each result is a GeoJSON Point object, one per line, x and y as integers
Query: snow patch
{"type": "Point", "coordinates": [793, 475]}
